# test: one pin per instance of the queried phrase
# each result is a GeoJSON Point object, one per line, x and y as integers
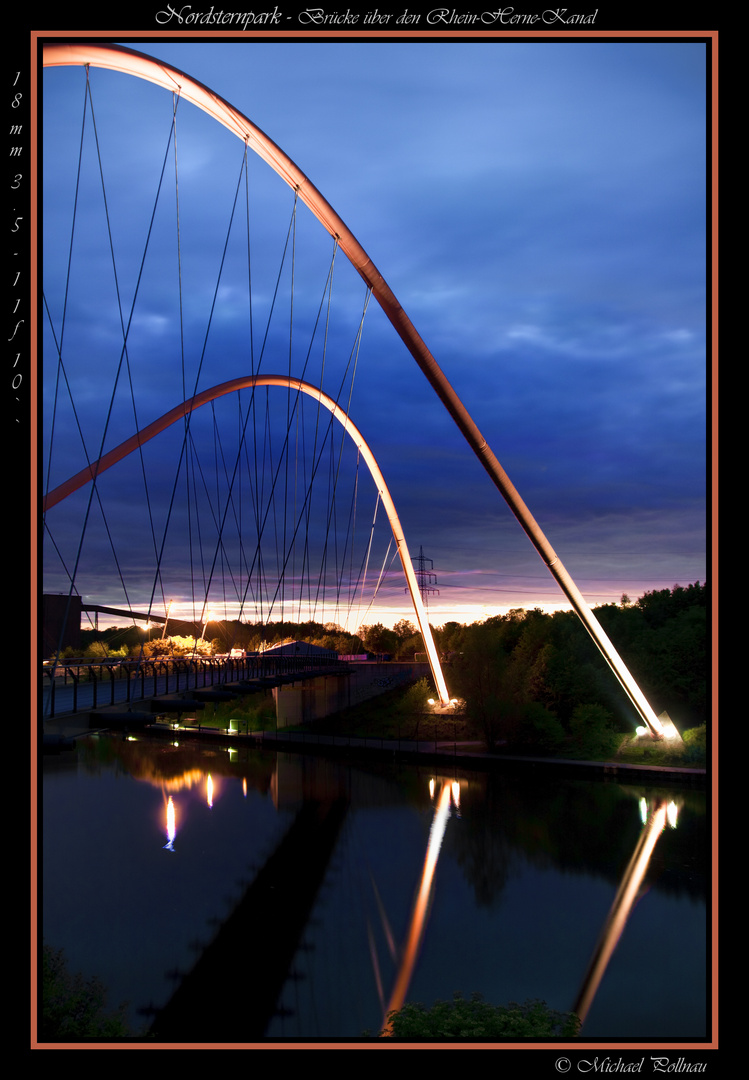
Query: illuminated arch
{"type": "Point", "coordinates": [130, 62]}
{"type": "Point", "coordinates": [140, 438]}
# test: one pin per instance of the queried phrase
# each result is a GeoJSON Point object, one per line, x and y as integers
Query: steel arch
{"type": "Point", "coordinates": [111, 458]}
{"type": "Point", "coordinates": [131, 62]}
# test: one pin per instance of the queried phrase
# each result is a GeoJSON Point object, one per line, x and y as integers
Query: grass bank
{"type": "Point", "coordinates": [403, 713]}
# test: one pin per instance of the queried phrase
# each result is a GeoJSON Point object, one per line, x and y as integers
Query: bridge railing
{"type": "Point", "coordinates": [76, 686]}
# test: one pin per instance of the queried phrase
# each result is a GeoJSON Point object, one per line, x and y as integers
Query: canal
{"type": "Point", "coordinates": [241, 894]}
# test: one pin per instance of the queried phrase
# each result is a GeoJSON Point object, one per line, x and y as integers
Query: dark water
{"type": "Point", "coordinates": [289, 891]}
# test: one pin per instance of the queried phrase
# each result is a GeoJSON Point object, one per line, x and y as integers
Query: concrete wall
{"type": "Point", "coordinates": [312, 699]}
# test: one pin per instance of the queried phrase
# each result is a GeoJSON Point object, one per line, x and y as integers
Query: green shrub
{"type": "Point", "coordinates": [416, 698]}
{"type": "Point", "coordinates": [696, 738]}
{"type": "Point", "coordinates": [593, 730]}
{"type": "Point", "coordinates": [97, 650]}
{"type": "Point", "coordinates": [74, 1007]}
{"type": "Point", "coordinates": [541, 729]}
{"type": "Point", "coordinates": [474, 1018]}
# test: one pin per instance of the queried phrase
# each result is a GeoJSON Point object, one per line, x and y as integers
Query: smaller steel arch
{"type": "Point", "coordinates": [146, 67]}
{"type": "Point", "coordinates": [111, 458]}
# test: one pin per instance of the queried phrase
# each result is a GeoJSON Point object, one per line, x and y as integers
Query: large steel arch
{"type": "Point", "coordinates": [128, 61]}
{"type": "Point", "coordinates": [111, 458]}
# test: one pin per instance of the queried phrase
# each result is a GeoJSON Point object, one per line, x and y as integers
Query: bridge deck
{"type": "Point", "coordinates": [78, 688]}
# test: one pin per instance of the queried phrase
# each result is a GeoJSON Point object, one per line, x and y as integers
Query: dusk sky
{"type": "Point", "coordinates": [538, 209]}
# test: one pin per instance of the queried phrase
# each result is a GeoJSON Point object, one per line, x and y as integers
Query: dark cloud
{"type": "Point", "coordinates": [539, 211]}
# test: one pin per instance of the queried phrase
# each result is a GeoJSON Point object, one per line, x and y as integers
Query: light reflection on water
{"type": "Point", "coordinates": [578, 893]}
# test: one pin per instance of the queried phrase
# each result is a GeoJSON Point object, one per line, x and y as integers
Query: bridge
{"type": "Point", "coordinates": [244, 494]}
{"type": "Point", "coordinates": [132, 693]}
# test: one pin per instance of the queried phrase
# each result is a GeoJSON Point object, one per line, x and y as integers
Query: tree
{"type": "Point", "coordinates": [449, 638]}
{"type": "Point", "coordinates": [479, 676]}
{"type": "Point", "coordinates": [415, 703]}
{"type": "Point", "coordinates": [592, 727]}
{"type": "Point", "coordinates": [185, 646]}
{"type": "Point", "coordinates": [74, 1007]}
{"type": "Point", "coordinates": [97, 650]}
{"type": "Point", "coordinates": [404, 629]}
{"type": "Point", "coordinates": [378, 639]}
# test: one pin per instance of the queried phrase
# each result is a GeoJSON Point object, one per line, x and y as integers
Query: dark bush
{"type": "Point", "coordinates": [74, 1007]}
{"type": "Point", "coordinates": [474, 1018]}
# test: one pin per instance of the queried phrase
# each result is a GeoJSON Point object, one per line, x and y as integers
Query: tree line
{"type": "Point", "coordinates": [523, 675]}
{"type": "Point", "coordinates": [399, 642]}
{"type": "Point", "coordinates": [533, 677]}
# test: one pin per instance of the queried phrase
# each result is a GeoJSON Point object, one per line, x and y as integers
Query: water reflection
{"type": "Point", "coordinates": [417, 925]}
{"type": "Point", "coordinates": [171, 824]}
{"type": "Point", "coordinates": [310, 872]}
{"type": "Point", "coordinates": [624, 900]}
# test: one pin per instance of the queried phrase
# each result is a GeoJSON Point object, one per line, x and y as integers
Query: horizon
{"type": "Point", "coordinates": [389, 621]}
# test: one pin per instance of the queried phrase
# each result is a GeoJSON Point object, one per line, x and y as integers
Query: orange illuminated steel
{"type": "Point", "coordinates": [130, 62]}
{"type": "Point", "coordinates": [621, 908]}
{"type": "Point", "coordinates": [417, 924]}
{"type": "Point", "coordinates": [626, 896]}
{"type": "Point", "coordinates": [94, 470]}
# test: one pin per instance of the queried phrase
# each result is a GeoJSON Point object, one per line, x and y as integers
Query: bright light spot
{"type": "Point", "coordinates": [431, 788]}
{"type": "Point", "coordinates": [668, 728]}
{"type": "Point", "coordinates": [244, 786]}
{"type": "Point", "coordinates": [456, 794]}
{"type": "Point", "coordinates": [672, 814]}
{"type": "Point", "coordinates": [431, 701]}
{"type": "Point", "coordinates": [421, 904]}
{"type": "Point", "coordinates": [641, 730]}
{"type": "Point", "coordinates": [171, 824]}
{"type": "Point", "coordinates": [643, 811]}
{"type": "Point", "coordinates": [209, 790]}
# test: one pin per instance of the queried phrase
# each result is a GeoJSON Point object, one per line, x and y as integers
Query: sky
{"type": "Point", "coordinates": [539, 211]}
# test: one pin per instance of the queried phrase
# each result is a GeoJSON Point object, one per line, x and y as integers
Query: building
{"type": "Point", "coordinates": [61, 623]}
{"type": "Point", "coordinates": [300, 648]}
